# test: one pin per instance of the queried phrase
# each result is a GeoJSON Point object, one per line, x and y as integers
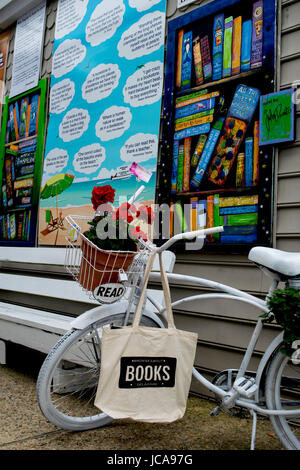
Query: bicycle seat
{"type": "Point", "coordinates": [281, 262]}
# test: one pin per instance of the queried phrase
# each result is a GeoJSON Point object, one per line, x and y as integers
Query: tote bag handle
{"type": "Point", "coordinates": [166, 289]}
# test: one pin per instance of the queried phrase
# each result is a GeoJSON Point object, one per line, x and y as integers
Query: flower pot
{"type": "Point", "coordinates": [100, 266]}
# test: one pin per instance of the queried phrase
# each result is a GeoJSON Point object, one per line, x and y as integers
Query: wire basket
{"type": "Point", "coordinates": [92, 267]}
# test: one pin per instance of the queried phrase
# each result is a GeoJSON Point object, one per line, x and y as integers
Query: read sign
{"type": "Point", "coordinates": [109, 293]}
{"type": "Point", "coordinates": [276, 117]}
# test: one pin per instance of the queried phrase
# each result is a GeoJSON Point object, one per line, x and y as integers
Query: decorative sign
{"type": "Point", "coordinates": [27, 51]}
{"type": "Point", "coordinates": [109, 293]}
{"type": "Point", "coordinates": [276, 118]}
{"type": "Point", "coordinates": [105, 102]}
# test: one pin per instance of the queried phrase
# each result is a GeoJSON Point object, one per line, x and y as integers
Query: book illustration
{"type": "Point", "coordinates": [239, 219]}
{"type": "Point", "coordinates": [246, 45]}
{"type": "Point", "coordinates": [248, 161]}
{"type": "Point", "coordinates": [194, 108]}
{"type": "Point", "coordinates": [240, 171]}
{"type": "Point", "coordinates": [23, 117]}
{"type": "Point", "coordinates": [207, 152]}
{"type": "Point", "coordinates": [218, 39]}
{"type": "Point", "coordinates": [244, 103]}
{"type": "Point", "coordinates": [179, 185]}
{"type": "Point", "coordinates": [34, 112]}
{"type": "Point", "coordinates": [247, 209]}
{"type": "Point", "coordinates": [16, 114]}
{"type": "Point", "coordinates": [185, 124]}
{"type": "Point", "coordinates": [12, 123]}
{"type": "Point", "coordinates": [195, 98]}
{"type": "Point", "coordinates": [23, 183]}
{"type": "Point", "coordinates": [181, 220]}
{"type": "Point", "coordinates": [187, 59]}
{"type": "Point", "coordinates": [206, 58]}
{"type": "Point", "coordinates": [175, 166]}
{"type": "Point", "coordinates": [236, 45]}
{"type": "Point", "coordinates": [179, 58]}
{"type": "Point", "coordinates": [226, 151]}
{"type": "Point", "coordinates": [227, 50]}
{"type": "Point", "coordinates": [197, 61]}
{"type": "Point", "coordinates": [255, 154]}
{"type": "Point", "coordinates": [191, 131]}
{"type": "Point", "coordinates": [186, 164]}
{"type": "Point", "coordinates": [239, 238]}
{"type": "Point", "coordinates": [257, 35]}
{"type": "Point", "coordinates": [194, 213]}
{"type": "Point", "coordinates": [201, 214]}
{"type": "Point", "coordinates": [209, 216]}
{"type": "Point", "coordinates": [216, 236]}
{"type": "Point", "coordinates": [198, 151]}
{"type": "Point", "coordinates": [238, 201]}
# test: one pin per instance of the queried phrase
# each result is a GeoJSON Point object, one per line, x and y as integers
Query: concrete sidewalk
{"type": "Point", "coordinates": [23, 427]}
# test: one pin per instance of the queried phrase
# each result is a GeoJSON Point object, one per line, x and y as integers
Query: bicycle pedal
{"type": "Point", "coordinates": [245, 387]}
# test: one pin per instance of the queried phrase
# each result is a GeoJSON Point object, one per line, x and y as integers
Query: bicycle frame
{"type": "Point", "coordinates": [231, 397]}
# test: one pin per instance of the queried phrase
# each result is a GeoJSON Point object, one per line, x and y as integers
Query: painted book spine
{"type": "Point", "coordinates": [210, 216]}
{"type": "Point", "coordinates": [198, 151]}
{"type": "Point", "coordinates": [194, 122]}
{"type": "Point", "coordinates": [240, 171]}
{"type": "Point", "coordinates": [187, 164]}
{"type": "Point", "coordinates": [207, 153]}
{"type": "Point", "coordinates": [246, 45]}
{"type": "Point", "coordinates": [201, 215]}
{"type": "Point", "coordinates": [194, 210]}
{"type": "Point", "coordinates": [248, 161]}
{"type": "Point", "coordinates": [206, 58]}
{"type": "Point", "coordinates": [198, 61]}
{"type": "Point", "coordinates": [239, 219]}
{"type": "Point", "coordinates": [257, 35]}
{"type": "Point", "coordinates": [180, 168]}
{"type": "Point", "coordinates": [236, 45]}
{"type": "Point", "coordinates": [256, 154]}
{"type": "Point", "coordinates": [179, 58]}
{"type": "Point", "coordinates": [218, 40]}
{"type": "Point", "coordinates": [175, 167]}
{"type": "Point", "coordinates": [216, 236]}
{"type": "Point", "coordinates": [238, 209]}
{"type": "Point", "coordinates": [187, 59]}
{"type": "Point", "coordinates": [195, 98]}
{"type": "Point", "coordinates": [192, 117]}
{"type": "Point", "coordinates": [191, 131]}
{"type": "Point", "coordinates": [227, 53]}
{"type": "Point", "coordinates": [195, 108]}
{"type": "Point", "coordinates": [238, 201]}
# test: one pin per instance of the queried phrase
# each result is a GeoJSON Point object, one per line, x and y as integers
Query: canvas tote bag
{"type": "Point", "coordinates": [145, 371]}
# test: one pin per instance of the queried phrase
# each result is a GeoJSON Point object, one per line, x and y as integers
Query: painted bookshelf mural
{"type": "Point", "coordinates": [22, 141]}
{"type": "Point", "coordinates": [220, 61]}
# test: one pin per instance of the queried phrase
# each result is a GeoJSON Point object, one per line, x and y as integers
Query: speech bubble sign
{"type": "Point", "coordinates": [74, 124]}
{"type": "Point", "coordinates": [144, 37]}
{"type": "Point", "coordinates": [55, 161]}
{"type": "Point", "coordinates": [113, 122]}
{"type": "Point", "coordinates": [142, 5]}
{"type": "Point", "coordinates": [100, 82]}
{"type": "Point", "coordinates": [70, 13]}
{"type": "Point", "coordinates": [89, 158]}
{"type": "Point", "coordinates": [61, 95]}
{"type": "Point", "coordinates": [68, 54]}
{"type": "Point", "coordinates": [139, 148]}
{"type": "Point", "coordinates": [104, 21]}
{"type": "Point", "coordinates": [145, 85]}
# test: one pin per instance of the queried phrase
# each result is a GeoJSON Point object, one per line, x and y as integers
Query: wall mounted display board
{"type": "Point", "coordinates": [28, 48]}
{"type": "Point", "coordinates": [21, 157]}
{"type": "Point", "coordinates": [105, 105]}
{"type": "Point", "coordinates": [277, 118]}
{"type": "Point", "coordinates": [220, 61]}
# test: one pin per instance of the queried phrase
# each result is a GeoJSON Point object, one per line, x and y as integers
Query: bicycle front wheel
{"type": "Point", "coordinates": [283, 392]}
{"type": "Point", "coordinates": [68, 379]}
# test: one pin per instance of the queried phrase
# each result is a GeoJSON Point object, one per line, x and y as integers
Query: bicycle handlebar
{"type": "Point", "coordinates": [189, 236]}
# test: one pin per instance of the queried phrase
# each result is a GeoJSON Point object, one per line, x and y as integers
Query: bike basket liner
{"type": "Point", "coordinates": [146, 372]}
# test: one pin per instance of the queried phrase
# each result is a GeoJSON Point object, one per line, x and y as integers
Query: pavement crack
{"type": "Point", "coordinates": [37, 436]}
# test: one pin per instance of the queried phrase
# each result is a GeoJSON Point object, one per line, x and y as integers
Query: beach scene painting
{"type": "Point", "coordinates": [104, 110]}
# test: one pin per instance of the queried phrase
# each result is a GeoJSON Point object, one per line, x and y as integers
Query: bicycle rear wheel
{"type": "Point", "coordinates": [283, 392]}
{"type": "Point", "coordinates": [68, 379]}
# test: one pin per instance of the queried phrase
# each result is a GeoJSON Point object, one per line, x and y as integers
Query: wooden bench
{"type": "Point", "coordinates": [39, 299]}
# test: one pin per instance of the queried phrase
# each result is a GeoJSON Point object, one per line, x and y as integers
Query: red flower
{"type": "Point", "coordinates": [125, 212]}
{"type": "Point", "coordinates": [102, 195]}
{"type": "Point", "coordinates": [136, 232]}
{"type": "Point", "coordinates": [146, 213]}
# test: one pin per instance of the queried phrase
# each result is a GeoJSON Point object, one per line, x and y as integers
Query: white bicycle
{"type": "Point", "coordinates": [68, 378]}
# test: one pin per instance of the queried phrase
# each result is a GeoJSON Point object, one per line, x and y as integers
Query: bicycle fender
{"type": "Point", "coordinates": [107, 310]}
{"type": "Point", "coordinates": [265, 360]}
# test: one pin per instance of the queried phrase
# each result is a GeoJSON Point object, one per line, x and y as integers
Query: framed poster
{"type": "Point", "coordinates": [105, 104]}
{"type": "Point", "coordinates": [220, 61]}
{"type": "Point", "coordinates": [21, 160]}
{"type": "Point", "coordinates": [277, 118]}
